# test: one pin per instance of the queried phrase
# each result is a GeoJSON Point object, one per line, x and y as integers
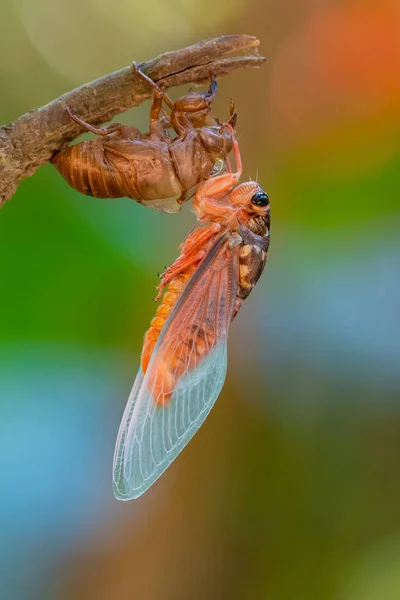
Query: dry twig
{"type": "Point", "coordinates": [31, 140]}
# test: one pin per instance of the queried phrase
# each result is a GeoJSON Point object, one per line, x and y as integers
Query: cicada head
{"type": "Point", "coordinates": [251, 197]}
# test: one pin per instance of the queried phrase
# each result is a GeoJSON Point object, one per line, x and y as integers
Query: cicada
{"type": "Point", "coordinates": [184, 357]}
{"type": "Point", "coordinates": [156, 169]}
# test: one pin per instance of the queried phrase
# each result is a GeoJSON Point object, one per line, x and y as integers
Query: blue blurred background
{"type": "Point", "coordinates": [291, 490]}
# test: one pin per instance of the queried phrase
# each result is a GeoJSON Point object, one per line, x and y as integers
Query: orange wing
{"type": "Point", "coordinates": [184, 377]}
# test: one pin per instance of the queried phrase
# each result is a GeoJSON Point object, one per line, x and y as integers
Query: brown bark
{"type": "Point", "coordinates": [31, 140]}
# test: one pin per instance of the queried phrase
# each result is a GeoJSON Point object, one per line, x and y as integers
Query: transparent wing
{"type": "Point", "coordinates": [185, 375]}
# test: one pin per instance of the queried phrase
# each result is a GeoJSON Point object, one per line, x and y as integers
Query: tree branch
{"type": "Point", "coordinates": [31, 140]}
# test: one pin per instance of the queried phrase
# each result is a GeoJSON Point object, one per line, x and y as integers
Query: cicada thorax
{"type": "Point", "coordinates": [252, 255]}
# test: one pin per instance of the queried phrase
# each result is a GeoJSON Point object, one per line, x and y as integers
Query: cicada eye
{"type": "Point", "coordinates": [260, 199]}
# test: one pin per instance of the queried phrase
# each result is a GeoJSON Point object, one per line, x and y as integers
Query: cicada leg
{"type": "Point", "coordinates": [193, 251]}
{"type": "Point", "coordinates": [228, 165]}
{"type": "Point", "coordinates": [179, 266]}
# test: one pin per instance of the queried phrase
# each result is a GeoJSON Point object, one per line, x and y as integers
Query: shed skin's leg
{"type": "Point", "coordinates": [158, 125]}
{"type": "Point", "coordinates": [103, 131]}
{"type": "Point", "coordinates": [115, 130]}
{"type": "Point", "coordinates": [194, 104]}
{"type": "Point", "coordinates": [190, 104]}
{"type": "Point", "coordinates": [208, 205]}
{"type": "Point", "coordinates": [210, 192]}
{"type": "Point", "coordinates": [157, 91]}
{"type": "Point", "coordinates": [178, 119]}
{"type": "Point", "coordinates": [157, 128]}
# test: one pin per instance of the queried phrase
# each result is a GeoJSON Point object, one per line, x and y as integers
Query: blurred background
{"type": "Point", "coordinates": [291, 489]}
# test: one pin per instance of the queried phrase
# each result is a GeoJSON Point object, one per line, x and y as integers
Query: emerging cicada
{"type": "Point", "coordinates": [184, 359]}
{"type": "Point", "coordinates": [156, 169]}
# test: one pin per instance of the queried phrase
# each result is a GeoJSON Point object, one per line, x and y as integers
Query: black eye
{"type": "Point", "coordinates": [260, 199]}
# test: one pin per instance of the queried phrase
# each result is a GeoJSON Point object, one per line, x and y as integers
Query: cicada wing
{"type": "Point", "coordinates": [160, 418]}
{"type": "Point", "coordinates": [118, 471]}
{"type": "Point", "coordinates": [151, 437]}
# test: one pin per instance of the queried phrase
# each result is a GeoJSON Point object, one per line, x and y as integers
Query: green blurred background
{"type": "Point", "coordinates": [291, 490]}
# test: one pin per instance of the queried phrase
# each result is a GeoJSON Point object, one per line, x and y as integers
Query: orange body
{"type": "Point", "coordinates": [184, 358]}
{"type": "Point", "coordinates": [175, 279]}
{"type": "Point", "coordinates": [238, 215]}
{"type": "Point", "coordinates": [174, 290]}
